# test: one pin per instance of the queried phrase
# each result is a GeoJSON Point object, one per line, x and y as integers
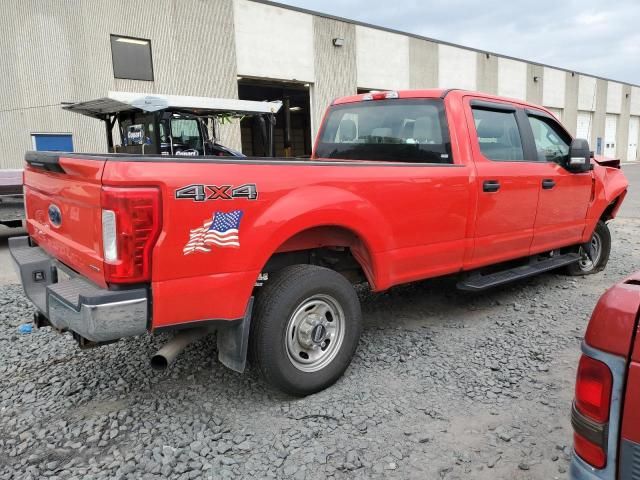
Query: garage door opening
{"type": "Point", "coordinates": [292, 131]}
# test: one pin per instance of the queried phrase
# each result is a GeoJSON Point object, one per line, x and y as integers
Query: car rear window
{"type": "Point", "coordinates": [394, 130]}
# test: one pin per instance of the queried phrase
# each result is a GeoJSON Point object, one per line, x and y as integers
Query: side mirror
{"type": "Point", "coordinates": [579, 156]}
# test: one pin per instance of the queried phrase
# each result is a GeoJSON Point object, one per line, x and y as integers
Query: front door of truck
{"type": "Point", "coordinates": [564, 196]}
{"type": "Point", "coordinates": [507, 192]}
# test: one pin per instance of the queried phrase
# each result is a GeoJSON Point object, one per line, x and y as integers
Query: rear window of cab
{"type": "Point", "coordinates": [393, 130]}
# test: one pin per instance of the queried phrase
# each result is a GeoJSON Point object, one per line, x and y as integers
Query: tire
{"type": "Point", "coordinates": [305, 310]}
{"type": "Point", "coordinates": [601, 248]}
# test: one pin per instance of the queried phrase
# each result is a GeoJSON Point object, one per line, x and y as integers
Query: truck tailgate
{"type": "Point", "coordinates": [62, 203]}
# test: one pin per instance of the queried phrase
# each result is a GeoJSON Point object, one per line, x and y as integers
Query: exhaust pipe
{"type": "Point", "coordinates": [168, 353]}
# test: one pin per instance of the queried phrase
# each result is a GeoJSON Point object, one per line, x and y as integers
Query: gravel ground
{"type": "Point", "coordinates": [445, 384]}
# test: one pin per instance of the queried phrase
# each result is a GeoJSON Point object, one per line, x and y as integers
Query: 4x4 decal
{"type": "Point", "coordinates": [201, 193]}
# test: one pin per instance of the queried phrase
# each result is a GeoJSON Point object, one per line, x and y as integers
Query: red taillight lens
{"type": "Point", "coordinates": [138, 222]}
{"type": "Point", "coordinates": [591, 453]}
{"type": "Point", "coordinates": [593, 389]}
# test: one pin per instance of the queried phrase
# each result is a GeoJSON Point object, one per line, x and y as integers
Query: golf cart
{"type": "Point", "coordinates": [174, 125]}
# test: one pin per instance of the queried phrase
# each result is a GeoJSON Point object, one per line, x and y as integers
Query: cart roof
{"type": "Point", "coordinates": [117, 102]}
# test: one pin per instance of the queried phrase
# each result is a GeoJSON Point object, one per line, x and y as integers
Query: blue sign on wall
{"type": "Point", "coordinates": [53, 142]}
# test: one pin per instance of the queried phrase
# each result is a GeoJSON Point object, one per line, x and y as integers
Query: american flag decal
{"type": "Point", "coordinates": [222, 231]}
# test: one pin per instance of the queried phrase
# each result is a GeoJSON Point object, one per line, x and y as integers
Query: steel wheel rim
{"type": "Point", "coordinates": [586, 265]}
{"type": "Point", "coordinates": [315, 332]}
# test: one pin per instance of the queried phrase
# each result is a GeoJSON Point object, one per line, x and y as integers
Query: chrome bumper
{"type": "Point", "coordinates": [76, 304]}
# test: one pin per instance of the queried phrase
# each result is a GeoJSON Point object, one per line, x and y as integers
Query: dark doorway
{"type": "Point", "coordinates": [292, 132]}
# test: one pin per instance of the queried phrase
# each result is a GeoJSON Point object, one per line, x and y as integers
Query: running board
{"type": "Point", "coordinates": [477, 282]}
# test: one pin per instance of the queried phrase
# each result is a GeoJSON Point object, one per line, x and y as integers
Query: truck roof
{"type": "Point", "coordinates": [428, 93]}
{"type": "Point", "coordinates": [116, 102]}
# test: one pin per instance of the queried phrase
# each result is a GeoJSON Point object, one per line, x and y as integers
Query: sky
{"type": "Point", "coordinates": [590, 36]}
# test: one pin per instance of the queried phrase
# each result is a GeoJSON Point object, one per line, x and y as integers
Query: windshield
{"type": "Point", "coordinates": [395, 130]}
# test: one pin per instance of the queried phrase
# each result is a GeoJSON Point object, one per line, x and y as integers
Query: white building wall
{"type": "Point", "coordinates": [273, 42]}
{"type": "Point", "coordinates": [635, 101]}
{"type": "Point", "coordinates": [586, 93]}
{"type": "Point", "coordinates": [382, 59]}
{"type": "Point", "coordinates": [614, 97]}
{"type": "Point", "coordinates": [512, 78]}
{"type": "Point", "coordinates": [553, 87]}
{"type": "Point", "coordinates": [456, 68]}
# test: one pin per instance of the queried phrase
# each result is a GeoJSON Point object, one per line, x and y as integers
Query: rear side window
{"type": "Point", "coordinates": [498, 134]}
{"type": "Point", "coordinates": [394, 130]}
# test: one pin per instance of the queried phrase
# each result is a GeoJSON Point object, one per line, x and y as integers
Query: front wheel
{"type": "Point", "coordinates": [306, 327]}
{"type": "Point", "coordinates": [600, 250]}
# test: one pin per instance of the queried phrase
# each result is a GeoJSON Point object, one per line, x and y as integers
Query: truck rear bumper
{"type": "Point", "coordinates": [74, 303]}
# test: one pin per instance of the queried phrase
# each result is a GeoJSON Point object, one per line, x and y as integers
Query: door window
{"type": "Point", "coordinates": [552, 142]}
{"type": "Point", "coordinates": [498, 134]}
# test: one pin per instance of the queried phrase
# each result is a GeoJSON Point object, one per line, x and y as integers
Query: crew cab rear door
{"type": "Point", "coordinates": [507, 191]}
{"type": "Point", "coordinates": [564, 196]}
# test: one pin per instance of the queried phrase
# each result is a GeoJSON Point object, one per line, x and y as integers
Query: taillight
{"type": "Point", "coordinates": [593, 389]}
{"type": "Point", "coordinates": [590, 414]}
{"type": "Point", "coordinates": [131, 223]}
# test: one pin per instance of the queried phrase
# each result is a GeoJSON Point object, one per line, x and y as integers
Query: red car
{"type": "Point", "coordinates": [606, 410]}
{"type": "Point", "coordinates": [402, 186]}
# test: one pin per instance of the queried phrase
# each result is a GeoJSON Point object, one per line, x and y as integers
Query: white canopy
{"type": "Point", "coordinates": [127, 101]}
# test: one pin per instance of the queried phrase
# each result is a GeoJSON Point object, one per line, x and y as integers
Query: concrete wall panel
{"type": "Point", "coordinates": [535, 78]}
{"type": "Point", "coordinates": [335, 67]}
{"type": "Point", "coordinates": [382, 59]}
{"type": "Point", "coordinates": [457, 68]}
{"type": "Point", "coordinates": [570, 110]}
{"type": "Point", "coordinates": [487, 73]}
{"type": "Point", "coordinates": [512, 78]}
{"type": "Point", "coordinates": [635, 101]}
{"type": "Point", "coordinates": [586, 93]}
{"type": "Point", "coordinates": [553, 87]}
{"type": "Point", "coordinates": [273, 42]}
{"type": "Point", "coordinates": [423, 64]}
{"type": "Point", "coordinates": [614, 97]}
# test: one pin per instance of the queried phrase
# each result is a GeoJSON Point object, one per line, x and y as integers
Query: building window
{"type": "Point", "coordinates": [131, 58]}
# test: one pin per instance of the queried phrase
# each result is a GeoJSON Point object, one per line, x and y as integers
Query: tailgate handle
{"type": "Point", "coordinates": [490, 186]}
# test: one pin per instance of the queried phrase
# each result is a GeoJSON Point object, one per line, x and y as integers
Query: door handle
{"type": "Point", "coordinates": [548, 184]}
{"type": "Point", "coordinates": [490, 186]}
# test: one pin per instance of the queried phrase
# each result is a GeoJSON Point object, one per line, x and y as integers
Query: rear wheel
{"type": "Point", "coordinates": [600, 251]}
{"type": "Point", "coordinates": [305, 330]}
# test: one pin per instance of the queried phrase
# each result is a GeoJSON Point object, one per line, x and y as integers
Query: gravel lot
{"type": "Point", "coordinates": [445, 384]}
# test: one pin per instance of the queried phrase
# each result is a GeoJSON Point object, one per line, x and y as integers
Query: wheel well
{"type": "Point", "coordinates": [333, 247]}
{"type": "Point", "coordinates": [608, 212]}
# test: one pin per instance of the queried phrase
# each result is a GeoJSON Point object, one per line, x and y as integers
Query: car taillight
{"type": "Point", "coordinates": [131, 223]}
{"type": "Point", "coordinates": [591, 411]}
{"type": "Point", "coordinates": [593, 389]}
{"type": "Point", "coordinates": [380, 95]}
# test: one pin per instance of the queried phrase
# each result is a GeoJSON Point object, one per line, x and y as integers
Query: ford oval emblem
{"type": "Point", "coordinates": [55, 215]}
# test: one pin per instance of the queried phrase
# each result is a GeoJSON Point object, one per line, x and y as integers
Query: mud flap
{"type": "Point", "coordinates": [233, 342]}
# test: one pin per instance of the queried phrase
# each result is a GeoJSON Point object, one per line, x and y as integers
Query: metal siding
{"type": "Point", "coordinates": [335, 66]}
{"type": "Point", "coordinates": [63, 53]}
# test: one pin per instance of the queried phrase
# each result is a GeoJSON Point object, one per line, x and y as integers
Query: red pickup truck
{"type": "Point", "coordinates": [606, 409]}
{"type": "Point", "coordinates": [401, 186]}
